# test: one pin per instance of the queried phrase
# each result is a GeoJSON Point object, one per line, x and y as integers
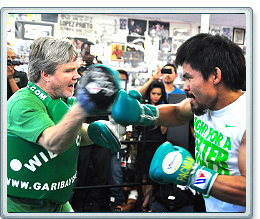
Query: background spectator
{"type": "Point", "coordinates": [15, 79]}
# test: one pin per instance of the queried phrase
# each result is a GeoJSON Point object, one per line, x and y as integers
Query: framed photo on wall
{"type": "Point", "coordinates": [159, 29]}
{"type": "Point", "coordinates": [239, 36]}
{"type": "Point", "coordinates": [117, 52]}
{"type": "Point", "coordinates": [28, 30]}
{"type": "Point", "coordinates": [136, 27]}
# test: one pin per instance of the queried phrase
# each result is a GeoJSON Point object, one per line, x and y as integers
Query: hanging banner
{"type": "Point", "coordinates": [76, 25]}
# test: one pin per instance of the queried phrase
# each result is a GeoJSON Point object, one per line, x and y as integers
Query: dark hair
{"type": "Point", "coordinates": [156, 84]}
{"type": "Point", "coordinates": [203, 52]}
{"type": "Point", "coordinates": [121, 71]}
{"type": "Point", "coordinates": [171, 65]}
{"type": "Point", "coordinates": [86, 43]}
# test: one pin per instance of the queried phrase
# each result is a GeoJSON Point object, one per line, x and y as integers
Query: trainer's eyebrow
{"type": "Point", "coordinates": [70, 69]}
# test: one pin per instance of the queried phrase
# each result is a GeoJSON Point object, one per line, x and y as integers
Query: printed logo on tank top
{"type": "Point", "coordinates": [212, 147]}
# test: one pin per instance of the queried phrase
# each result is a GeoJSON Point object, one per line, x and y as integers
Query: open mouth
{"type": "Point", "coordinates": [189, 95]}
{"type": "Point", "coordinates": [71, 86]}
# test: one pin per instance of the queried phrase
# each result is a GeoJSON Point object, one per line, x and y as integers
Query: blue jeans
{"type": "Point", "coordinates": [116, 177]}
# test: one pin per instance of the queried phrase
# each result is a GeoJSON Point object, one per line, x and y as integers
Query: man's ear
{"type": "Point", "coordinates": [217, 75]}
{"type": "Point", "coordinates": [45, 76]}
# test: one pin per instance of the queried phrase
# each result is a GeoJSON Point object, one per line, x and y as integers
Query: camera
{"type": "Point", "coordinates": [14, 62]}
{"type": "Point", "coordinates": [166, 71]}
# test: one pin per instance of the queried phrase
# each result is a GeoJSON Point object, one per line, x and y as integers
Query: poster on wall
{"type": "Point", "coordinates": [214, 30]}
{"type": "Point", "coordinates": [123, 23]}
{"type": "Point", "coordinates": [117, 53]}
{"type": "Point", "coordinates": [180, 35]}
{"type": "Point", "coordinates": [32, 30]}
{"type": "Point", "coordinates": [77, 42]}
{"type": "Point", "coordinates": [136, 27]}
{"type": "Point", "coordinates": [239, 36]}
{"type": "Point", "coordinates": [75, 25]}
{"type": "Point", "coordinates": [165, 45]}
{"type": "Point", "coordinates": [135, 43]}
{"type": "Point", "coordinates": [227, 32]}
{"type": "Point", "coordinates": [159, 29]}
{"type": "Point", "coordinates": [222, 31]}
{"type": "Point", "coordinates": [133, 59]}
{"type": "Point", "coordinates": [106, 29]}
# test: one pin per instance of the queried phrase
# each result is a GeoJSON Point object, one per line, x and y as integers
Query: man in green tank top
{"type": "Point", "coordinates": [45, 126]}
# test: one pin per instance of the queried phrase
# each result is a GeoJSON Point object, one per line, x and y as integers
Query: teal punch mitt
{"type": "Point", "coordinates": [127, 110]}
{"type": "Point", "coordinates": [103, 133]}
{"type": "Point", "coordinates": [174, 164]}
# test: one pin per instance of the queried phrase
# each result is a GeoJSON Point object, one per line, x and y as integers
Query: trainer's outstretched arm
{"type": "Point", "coordinates": [60, 137]}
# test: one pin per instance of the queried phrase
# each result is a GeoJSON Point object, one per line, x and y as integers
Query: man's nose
{"type": "Point", "coordinates": [186, 87]}
{"type": "Point", "coordinates": [76, 76]}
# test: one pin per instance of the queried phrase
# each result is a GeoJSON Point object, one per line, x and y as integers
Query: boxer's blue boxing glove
{"type": "Point", "coordinates": [97, 89]}
{"type": "Point", "coordinates": [174, 164]}
{"type": "Point", "coordinates": [103, 133]}
{"type": "Point", "coordinates": [127, 110]}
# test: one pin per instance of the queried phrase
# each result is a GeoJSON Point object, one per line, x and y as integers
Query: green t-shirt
{"type": "Point", "coordinates": [32, 171]}
{"type": "Point", "coordinates": [27, 116]}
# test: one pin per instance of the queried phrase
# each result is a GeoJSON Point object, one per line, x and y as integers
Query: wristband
{"type": "Point", "coordinates": [202, 179]}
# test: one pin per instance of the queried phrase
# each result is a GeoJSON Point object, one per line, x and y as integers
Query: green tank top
{"type": "Point", "coordinates": [34, 172]}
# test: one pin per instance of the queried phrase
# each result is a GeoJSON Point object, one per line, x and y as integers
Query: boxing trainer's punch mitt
{"type": "Point", "coordinates": [103, 133]}
{"type": "Point", "coordinates": [97, 89]}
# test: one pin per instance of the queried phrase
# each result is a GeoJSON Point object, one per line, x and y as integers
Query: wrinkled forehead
{"type": "Point", "coordinates": [73, 64]}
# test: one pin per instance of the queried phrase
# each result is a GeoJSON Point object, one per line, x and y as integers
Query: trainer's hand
{"type": "Point", "coordinates": [174, 164]}
{"type": "Point", "coordinates": [97, 89]}
{"type": "Point", "coordinates": [127, 110]}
